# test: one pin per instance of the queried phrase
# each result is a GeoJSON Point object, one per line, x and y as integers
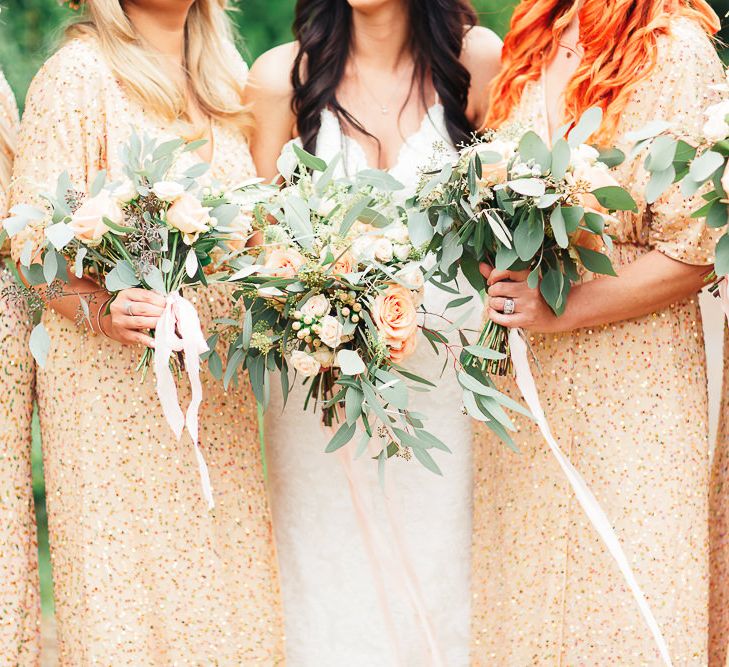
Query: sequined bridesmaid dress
{"type": "Point", "coordinates": [144, 575]}
{"type": "Point", "coordinates": [19, 600]}
{"type": "Point", "coordinates": [628, 404]}
{"type": "Point", "coordinates": [719, 532]}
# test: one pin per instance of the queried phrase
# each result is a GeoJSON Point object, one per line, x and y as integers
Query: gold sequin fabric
{"type": "Point", "coordinates": [19, 599]}
{"type": "Point", "coordinates": [628, 404]}
{"type": "Point", "coordinates": [719, 532]}
{"type": "Point", "coordinates": [144, 575]}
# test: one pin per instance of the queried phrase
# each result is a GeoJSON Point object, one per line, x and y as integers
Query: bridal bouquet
{"type": "Point", "coordinates": [334, 292]}
{"type": "Point", "coordinates": [703, 163]}
{"type": "Point", "coordinates": [157, 229]}
{"type": "Point", "coordinates": [517, 204]}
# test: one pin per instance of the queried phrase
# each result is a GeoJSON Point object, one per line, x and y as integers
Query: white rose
{"type": "Point", "coordinates": [402, 252]}
{"type": "Point", "coordinates": [363, 249]}
{"type": "Point", "coordinates": [330, 332]}
{"type": "Point", "coordinates": [124, 192]}
{"type": "Point", "coordinates": [304, 363]}
{"type": "Point", "coordinates": [584, 155]}
{"type": "Point", "coordinates": [324, 356]}
{"type": "Point", "coordinates": [716, 128]}
{"type": "Point", "coordinates": [412, 276]}
{"type": "Point", "coordinates": [398, 233]}
{"type": "Point", "coordinates": [168, 190]}
{"type": "Point", "coordinates": [326, 206]}
{"type": "Point", "coordinates": [383, 249]}
{"type": "Point", "coordinates": [317, 306]}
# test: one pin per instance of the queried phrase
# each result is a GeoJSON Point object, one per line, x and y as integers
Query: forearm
{"type": "Point", "coordinates": [651, 283]}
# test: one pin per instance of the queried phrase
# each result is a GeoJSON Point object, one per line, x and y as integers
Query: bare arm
{"type": "Point", "coordinates": [269, 94]}
{"type": "Point", "coordinates": [482, 57]}
{"type": "Point", "coordinates": [651, 283]}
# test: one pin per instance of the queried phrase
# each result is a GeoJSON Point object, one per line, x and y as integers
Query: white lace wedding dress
{"type": "Point", "coordinates": [333, 615]}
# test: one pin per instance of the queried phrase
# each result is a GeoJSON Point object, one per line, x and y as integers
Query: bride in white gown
{"type": "Point", "coordinates": [393, 82]}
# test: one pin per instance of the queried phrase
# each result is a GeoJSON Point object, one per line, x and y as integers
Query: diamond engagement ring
{"type": "Point", "coordinates": [129, 309]}
{"type": "Point", "coordinates": [509, 306]}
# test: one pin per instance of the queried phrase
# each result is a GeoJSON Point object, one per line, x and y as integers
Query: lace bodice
{"type": "Point", "coordinates": [429, 143]}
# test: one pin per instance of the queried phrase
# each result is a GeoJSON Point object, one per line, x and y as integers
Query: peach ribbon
{"type": "Point", "coordinates": [179, 330]}
{"type": "Point", "coordinates": [374, 543]}
{"type": "Point", "coordinates": [590, 504]}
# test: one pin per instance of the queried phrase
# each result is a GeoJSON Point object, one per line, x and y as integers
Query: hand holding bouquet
{"type": "Point", "coordinates": [518, 205]}
{"type": "Point", "coordinates": [155, 230]}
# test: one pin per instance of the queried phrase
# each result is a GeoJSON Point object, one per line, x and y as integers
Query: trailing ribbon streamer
{"type": "Point", "coordinates": [180, 317]}
{"type": "Point", "coordinates": [724, 296]}
{"type": "Point", "coordinates": [373, 542]}
{"type": "Point", "coordinates": [595, 513]}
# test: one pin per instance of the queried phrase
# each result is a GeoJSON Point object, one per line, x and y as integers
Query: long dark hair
{"type": "Point", "coordinates": [323, 29]}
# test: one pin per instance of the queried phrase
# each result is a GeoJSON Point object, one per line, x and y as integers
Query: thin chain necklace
{"type": "Point", "coordinates": [571, 50]}
{"type": "Point", "coordinates": [384, 108]}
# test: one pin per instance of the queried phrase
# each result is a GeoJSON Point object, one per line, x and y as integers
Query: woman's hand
{"type": "Point", "coordinates": [133, 312]}
{"type": "Point", "coordinates": [530, 310]}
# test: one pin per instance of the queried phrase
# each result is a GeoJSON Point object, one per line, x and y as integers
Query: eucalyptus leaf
{"type": "Point", "coordinates": [191, 263]}
{"type": "Point", "coordinates": [586, 126]}
{"type": "Point", "coordinates": [309, 160]}
{"type": "Point", "coordinates": [59, 234]}
{"type": "Point", "coordinates": [705, 165]}
{"type": "Point", "coordinates": [556, 220]}
{"type": "Point", "coordinates": [596, 261]}
{"type": "Point", "coordinates": [529, 187]}
{"type": "Point", "coordinates": [615, 198]}
{"type": "Point", "coordinates": [659, 182]}
{"type": "Point", "coordinates": [155, 280]}
{"type": "Point", "coordinates": [121, 277]}
{"type": "Point", "coordinates": [350, 362]}
{"type": "Point", "coordinates": [721, 265]}
{"type": "Point", "coordinates": [40, 344]}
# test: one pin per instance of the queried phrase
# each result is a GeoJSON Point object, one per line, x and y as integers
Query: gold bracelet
{"type": "Point", "coordinates": [99, 315]}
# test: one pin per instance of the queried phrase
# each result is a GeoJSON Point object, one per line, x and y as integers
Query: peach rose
{"type": "Point", "coordinates": [588, 240]}
{"type": "Point", "coordinates": [87, 222]}
{"type": "Point", "coordinates": [285, 262]}
{"type": "Point", "coordinates": [395, 315]}
{"type": "Point", "coordinates": [401, 351]}
{"type": "Point", "coordinates": [189, 216]}
{"type": "Point", "coordinates": [492, 174]}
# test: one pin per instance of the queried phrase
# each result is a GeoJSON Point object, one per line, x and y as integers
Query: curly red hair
{"type": "Point", "coordinates": [610, 70]}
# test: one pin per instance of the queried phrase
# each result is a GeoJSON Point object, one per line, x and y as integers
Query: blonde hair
{"type": "Point", "coordinates": [210, 60]}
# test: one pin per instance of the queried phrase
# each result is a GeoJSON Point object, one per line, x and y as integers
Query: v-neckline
{"type": "Point", "coordinates": [405, 143]}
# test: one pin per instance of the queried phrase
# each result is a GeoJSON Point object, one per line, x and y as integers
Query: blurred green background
{"type": "Point", "coordinates": [29, 31]}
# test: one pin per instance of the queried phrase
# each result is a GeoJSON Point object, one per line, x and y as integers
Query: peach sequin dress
{"type": "Point", "coordinates": [628, 405]}
{"type": "Point", "coordinates": [719, 533]}
{"type": "Point", "coordinates": [19, 600]}
{"type": "Point", "coordinates": [144, 575]}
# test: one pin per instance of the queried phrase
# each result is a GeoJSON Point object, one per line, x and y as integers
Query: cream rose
{"type": "Point", "coordinates": [168, 190]}
{"type": "Point", "coordinates": [716, 128]}
{"type": "Point", "coordinates": [398, 233]}
{"type": "Point", "coordinates": [304, 363]}
{"type": "Point", "coordinates": [402, 251]}
{"type": "Point", "coordinates": [284, 262]}
{"type": "Point", "coordinates": [331, 332]}
{"type": "Point", "coordinates": [189, 216]}
{"type": "Point", "coordinates": [495, 172]}
{"type": "Point", "coordinates": [363, 249]}
{"type": "Point", "coordinates": [124, 192]}
{"type": "Point", "coordinates": [324, 356]}
{"type": "Point", "coordinates": [403, 349]}
{"type": "Point", "coordinates": [317, 306]}
{"type": "Point", "coordinates": [395, 315]}
{"type": "Point", "coordinates": [87, 222]}
{"type": "Point", "coordinates": [383, 249]}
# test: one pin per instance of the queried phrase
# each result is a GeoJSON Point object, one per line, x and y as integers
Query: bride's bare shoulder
{"type": "Point", "coordinates": [271, 72]}
{"type": "Point", "coordinates": [481, 47]}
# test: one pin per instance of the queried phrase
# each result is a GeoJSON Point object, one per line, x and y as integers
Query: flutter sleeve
{"type": "Point", "coordinates": [681, 90]}
{"type": "Point", "coordinates": [63, 130]}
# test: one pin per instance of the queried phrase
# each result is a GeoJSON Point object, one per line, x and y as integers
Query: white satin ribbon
{"type": "Point", "coordinates": [179, 330]}
{"type": "Point", "coordinates": [724, 296]}
{"type": "Point", "coordinates": [590, 504]}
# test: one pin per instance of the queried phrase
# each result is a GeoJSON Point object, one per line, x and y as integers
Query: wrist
{"type": "Point", "coordinates": [102, 316]}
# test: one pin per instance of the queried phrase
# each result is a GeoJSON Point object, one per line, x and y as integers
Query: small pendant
{"type": "Point", "coordinates": [384, 110]}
